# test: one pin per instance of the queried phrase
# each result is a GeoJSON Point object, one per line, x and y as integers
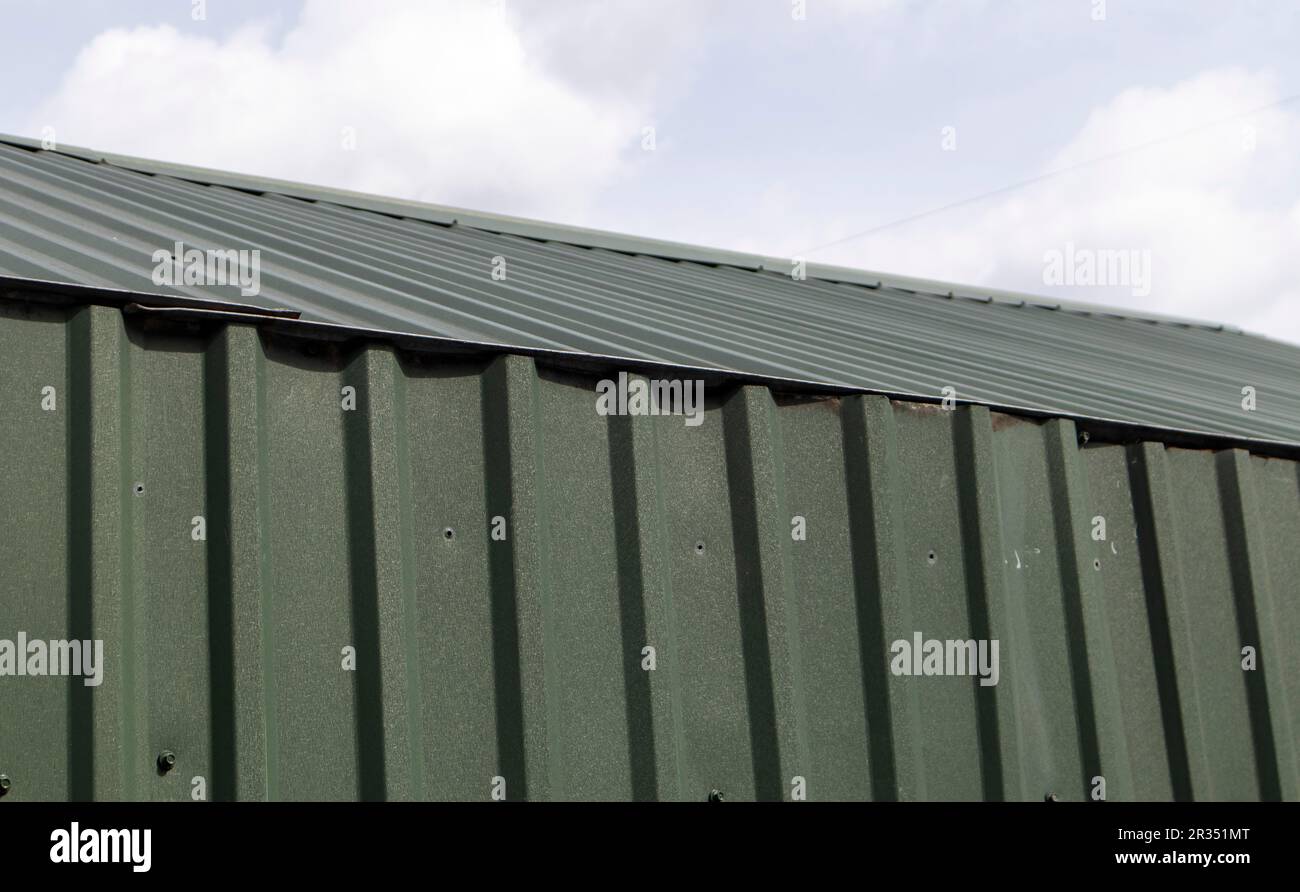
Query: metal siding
{"type": "Point", "coordinates": [522, 658]}
{"type": "Point", "coordinates": [67, 220]}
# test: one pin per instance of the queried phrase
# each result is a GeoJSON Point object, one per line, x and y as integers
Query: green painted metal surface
{"type": "Point", "coordinates": [522, 658]}
{"type": "Point", "coordinates": [85, 218]}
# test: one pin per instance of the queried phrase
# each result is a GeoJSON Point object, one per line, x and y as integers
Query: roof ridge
{"type": "Point", "coordinates": [580, 236]}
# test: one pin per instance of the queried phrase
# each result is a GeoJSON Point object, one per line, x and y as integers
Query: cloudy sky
{"type": "Point", "coordinates": [968, 140]}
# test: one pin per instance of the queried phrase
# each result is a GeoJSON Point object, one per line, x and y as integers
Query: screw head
{"type": "Point", "coordinates": [5, 784]}
{"type": "Point", "coordinates": [166, 761]}
{"type": "Point", "coordinates": [1050, 797]}
{"type": "Point", "coordinates": [716, 796]}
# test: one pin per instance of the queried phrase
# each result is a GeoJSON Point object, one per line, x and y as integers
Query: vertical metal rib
{"type": "Point", "coordinates": [363, 587]}
{"type": "Point", "coordinates": [981, 526]}
{"type": "Point", "coordinates": [1275, 763]}
{"type": "Point", "coordinates": [102, 751]}
{"type": "Point", "coordinates": [639, 712]}
{"type": "Point", "coordinates": [870, 451]}
{"type": "Point", "coordinates": [1102, 743]}
{"type": "Point", "coordinates": [751, 602]}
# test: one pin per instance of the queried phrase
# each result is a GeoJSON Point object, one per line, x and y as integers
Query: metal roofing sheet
{"type": "Point", "coordinates": [522, 658]}
{"type": "Point", "coordinates": [64, 218]}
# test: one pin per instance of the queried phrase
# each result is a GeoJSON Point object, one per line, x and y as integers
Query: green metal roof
{"type": "Point", "coordinates": [78, 216]}
{"type": "Point", "coordinates": [522, 658]}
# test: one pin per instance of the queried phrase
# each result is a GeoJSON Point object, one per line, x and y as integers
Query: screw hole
{"type": "Point", "coordinates": [1096, 563]}
{"type": "Point", "coordinates": [699, 547]}
{"type": "Point", "coordinates": [931, 558]}
{"type": "Point", "coordinates": [449, 534]}
{"type": "Point", "coordinates": [138, 489]}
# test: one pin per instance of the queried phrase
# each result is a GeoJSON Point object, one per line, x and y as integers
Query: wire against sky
{"type": "Point", "coordinates": [1049, 175]}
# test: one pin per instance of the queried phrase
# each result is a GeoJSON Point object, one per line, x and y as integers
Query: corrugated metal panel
{"type": "Point", "coordinates": [522, 658]}
{"type": "Point", "coordinates": [578, 235]}
{"type": "Point", "coordinates": [65, 219]}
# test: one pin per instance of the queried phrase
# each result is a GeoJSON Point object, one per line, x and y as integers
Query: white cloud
{"type": "Point", "coordinates": [627, 48]}
{"type": "Point", "coordinates": [1217, 209]}
{"type": "Point", "coordinates": [448, 103]}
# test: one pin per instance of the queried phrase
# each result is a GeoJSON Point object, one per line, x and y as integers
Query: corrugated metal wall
{"type": "Point", "coordinates": [522, 658]}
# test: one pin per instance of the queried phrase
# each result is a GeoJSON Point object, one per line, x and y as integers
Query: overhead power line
{"type": "Point", "coordinates": [1050, 174]}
